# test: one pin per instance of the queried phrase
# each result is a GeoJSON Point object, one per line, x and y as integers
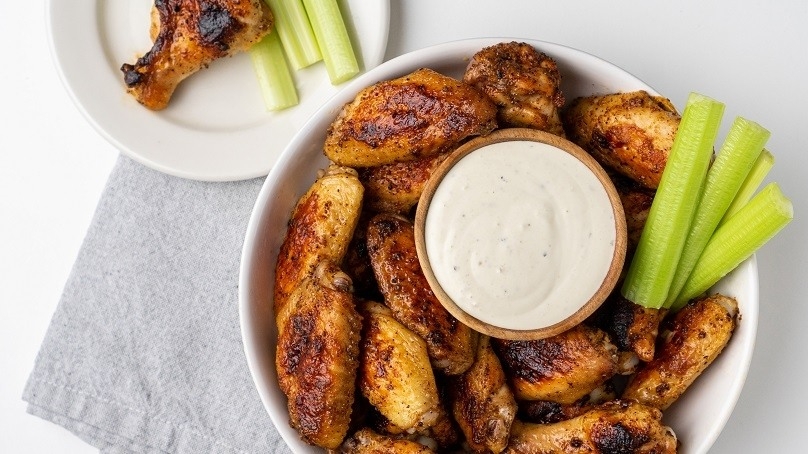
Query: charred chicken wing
{"type": "Point", "coordinates": [395, 372]}
{"type": "Point", "coordinates": [318, 355]}
{"type": "Point", "coordinates": [632, 327]}
{"type": "Point", "coordinates": [482, 403]}
{"type": "Point", "coordinates": [418, 115]}
{"type": "Point", "coordinates": [320, 229]}
{"type": "Point", "coordinates": [631, 133]}
{"type": "Point", "coordinates": [188, 35]}
{"type": "Point", "coordinates": [524, 83]}
{"type": "Point", "coordinates": [693, 338]}
{"type": "Point", "coordinates": [391, 244]}
{"type": "Point", "coordinates": [561, 368]}
{"type": "Point", "coordinates": [613, 427]}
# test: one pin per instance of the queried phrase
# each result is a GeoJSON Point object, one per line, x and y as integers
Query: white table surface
{"type": "Point", "coordinates": [750, 54]}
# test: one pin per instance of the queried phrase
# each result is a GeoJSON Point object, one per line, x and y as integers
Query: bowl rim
{"type": "Point", "coordinates": [747, 271]}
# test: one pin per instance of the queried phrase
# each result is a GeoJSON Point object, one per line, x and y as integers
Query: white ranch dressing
{"type": "Point", "coordinates": [520, 234]}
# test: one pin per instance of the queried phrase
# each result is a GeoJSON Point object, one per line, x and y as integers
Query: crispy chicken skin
{"type": "Point", "coordinates": [418, 115]}
{"type": "Point", "coordinates": [524, 83]}
{"type": "Point", "coordinates": [395, 374]}
{"type": "Point", "coordinates": [317, 356]}
{"type": "Point", "coordinates": [631, 133]}
{"type": "Point", "coordinates": [391, 244]}
{"type": "Point", "coordinates": [321, 227]}
{"type": "Point", "coordinates": [366, 441]}
{"type": "Point", "coordinates": [482, 403]}
{"type": "Point", "coordinates": [188, 35]}
{"type": "Point", "coordinates": [694, 337]}
{"type": "Point", "coordinates": [396, 187]}
{"type": "Point", "coordinates": [614, 427]}
{"type": "Point", "coordinates": [561, 368]}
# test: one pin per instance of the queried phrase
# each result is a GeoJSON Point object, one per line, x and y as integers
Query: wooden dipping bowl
{"type": "Point", "coordinates": [587, 307]}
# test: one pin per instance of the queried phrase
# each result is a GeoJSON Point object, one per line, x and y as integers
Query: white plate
{"type": "Point", "coordinates": [216, 127]}
{"type": "Point", "coordinates": [697, 418]}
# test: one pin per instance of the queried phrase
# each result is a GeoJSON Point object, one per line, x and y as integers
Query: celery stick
{"type": "Point", "coordinates": [741, 148]}
{"type": "Point", "coordinates": [332, 37]}
{"type": "Point", "coordinates": [751, 184]}
{"type": "Point", "coordinates": [294, 29]}
{"type": "Point", "coordinates": [735, 241]}
{"type": "Point", "coordinates": [651, 270]}
{"type": "Point", "coordinates": [274, 78]}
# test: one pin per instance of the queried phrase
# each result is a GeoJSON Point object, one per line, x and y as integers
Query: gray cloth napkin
{"type": "Point", "coordinates": [144, 351]}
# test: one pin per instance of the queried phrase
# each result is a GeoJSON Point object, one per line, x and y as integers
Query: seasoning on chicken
{"type": "Point", "coordinates": [366, 441]}
{"type": "Point", "coordinates": [391, 244]}
{"type": "Point", "coordinates": [318, 355]}
{"type": "Point", "coordinates": [561, 368]}
{"type": "Point", "coordinates": [614, 427]}
{"type": "Point", "coordinates": [320, 229]}
{"type": "Point", "coordinates": [396, 187]}
{"type": "Point", "coordinates": [631, 133]}
{"type": "Point", "coordinates": [395, 374]}
{"type": "Point", "coordinates": [188, 35]}
{"type": "Point", "coordinates": [318, 324]}
{"type": "Point", "coordinates": [693, 339]}
{"type": "Point", "coordinates": [421, 114]}
{"type": "Point", "coordinates": [524, 83]}
{"type": "Point", "coordinates": [482, 403]}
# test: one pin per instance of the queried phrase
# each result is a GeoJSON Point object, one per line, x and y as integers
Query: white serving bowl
{"type": "Point", "coordinates": [697, 418]}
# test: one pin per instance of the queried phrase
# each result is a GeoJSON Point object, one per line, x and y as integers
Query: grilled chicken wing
{"type": "Point", "coordinates": [396, 188]}
{"type": "Point", "coordinates": [614, 427]}
{"type": "Point", "coordinates": [631, 133]}
{"type": "Point", "coordinates": [188, 35]}
{"type": "Point", "coordinates": [482, 403]}
{"type": "Point", "coordinates": [391, 244]}
{"type": "Point", "coordinates": [366, 441]}
{"type": "Point", "coordinates": [395, 374]}
{"type": "Point", "coordinates": [320, 229]}
{"type": "Point", "coordinates": [318, 355]}
{"type": "Point", "coordinates": [633, 328]}
{"type": "Point", "coordinates": [524, 83]}
{"type": "Point", "coordinates": [697, 335]}
{"type": "Point", "coordinates": [418, 115]}
{"type": "Point", "coordinates": [561, 368]}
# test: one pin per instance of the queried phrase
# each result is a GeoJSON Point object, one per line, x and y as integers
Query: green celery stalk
{"type": "Point", "coordinates": [751, 184]}
{"type": "Point", "coordinates": [735, 241]}
{"type": "Point", "coordinates": [294, 29]}
{"type": "Point", "coordinates": [274, 77]}
{"type": "Point", "coordinates": [332, 37]}
{"type": "Point", "coordinates": [654, 263]}
{"type": "Point", "coordinates": [736, 157]}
